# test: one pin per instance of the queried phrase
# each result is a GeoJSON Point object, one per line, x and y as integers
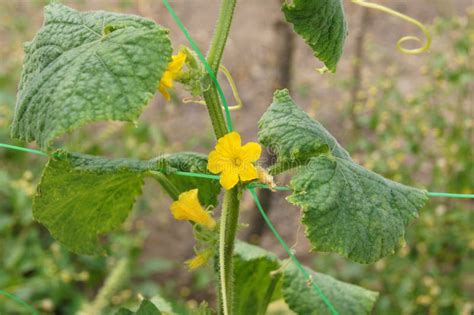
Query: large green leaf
{"type": "Point", "coordinates": [293, 135]}
{"type": "Point", "coordinates": [255, 285]}
{"type": "Point", "coordinates": [86, 67]}
{"type": "Point", "coordinates": [322, 25]}
{"type": "Point", "coordinates": [304, 300]}
{"type": "Point", "coordinates": [259, 279]}
{"type": "Point", "coordinates": [81, 197]}
{"type": "Point", "coordinates": [352, 211]}
{"type": "Point", "coordinates": [346, 208]}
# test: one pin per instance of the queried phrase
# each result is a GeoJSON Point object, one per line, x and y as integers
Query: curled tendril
{"type": "Point", "coordinates": [404, 39]}
{"type": "Point", "coordinates": [233, 87]}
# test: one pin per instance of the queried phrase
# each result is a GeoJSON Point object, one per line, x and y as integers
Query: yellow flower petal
{"type": "Point", "coordinates": [165, 93]}
{"type": "Point", "coordinates": [187, 207]}
{"type": "Point", "coordinates": [171, 73]}
{"type": "Point", "coordinates": [199, 260]}
{"type": "Point", "coordinates": [248, 172]}
{"type": "Point", "coordinates": [251, 151]}
{"type": "Point", "coordinates": [177, 62]}
{"type": "Point", "coordinates": [215, 162]}
{"type": "Point", "coordinates": [229, 145]}
{"type": "Point", "coordinates": [229, 179]}
{"type": "Point", "coordinates": [167, 80]}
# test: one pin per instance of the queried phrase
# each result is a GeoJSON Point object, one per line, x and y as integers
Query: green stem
{"type": "Point", "coordinates": [214, 57]}
{"type": "Point", "coordinates": [230, 208]}
{"type": "Point", "coordinates": [167, 185]}
{"type": "Point", "coordinates": [215, 110]}
{"type": "Point", "coordinates": [221, 32]}
{"type": "Point", "coordinates": [269, 294]}
{"type": "Point", "coordinates": [227, 233]}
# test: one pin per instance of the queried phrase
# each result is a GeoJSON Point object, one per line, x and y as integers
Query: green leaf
{"type": "Point", "coordinates": [293, 135]}
{"type": "Point", "coordinates": [86, 67]}
{"type": "Point", "coordinates": [163, 305]}
{"type": "Point", "coordinates": [81, 197]}
{"type": "Point", "coordinates": [322, 25]}
{"type": "Point", "coordinates": [303, 299]}
{"type": "Point", "coordinates": [146, 308]}
{"type": "Point", "coordinates": [255, 285]}
{"type": "Point", "coordinates": [351, 211]}
{"type": "Point", "coordinates": [259, 275]}
{"type": "Point", "coordinates": [346, 208]}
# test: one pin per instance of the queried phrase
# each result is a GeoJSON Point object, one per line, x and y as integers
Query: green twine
{"type": "Point", "coordinates": [19, 301]}
{"type": "Point", "coordinates": [265, 186]}
{"type": "Point", "coordinates": [250, 186]}
{"type": "Point", "coordinates": [292, 256]}
{"type": "Point", "coordinates": [204, 62]}
{"type": "Point", "coordinates": [449, 195]}
{"type": "Point", "coordinates": [14, 147]}
{"type": "Point", "coordinates": [189, 174]}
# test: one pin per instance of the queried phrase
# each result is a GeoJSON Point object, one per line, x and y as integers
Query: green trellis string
{"type": "Point", "coordinates": [252, 185]}
{"type": "Point", "coordinates": [290, 253]}
{"type": "Point", "coordinates": [204, 62]}
{"type": "Point", "coordinates": [19, 301]}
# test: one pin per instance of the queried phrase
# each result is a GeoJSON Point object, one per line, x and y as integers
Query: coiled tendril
{"type": "Point", "coordinates": [404, 39]}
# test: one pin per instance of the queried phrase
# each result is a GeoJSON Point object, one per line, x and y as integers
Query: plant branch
{"type": "Point", "coordinates": [227, 233]}
{"type": "Point", "coordinates": [214, 57]}
{"type": "Point", "coordinates": [230, 209]}
{"type": "Point", "coordinates": [221, 33]}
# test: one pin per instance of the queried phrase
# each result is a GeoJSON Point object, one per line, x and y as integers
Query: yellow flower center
{"type": "Point", "coordinates": [237, 161]}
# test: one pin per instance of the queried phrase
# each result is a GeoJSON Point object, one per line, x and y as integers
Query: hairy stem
{"type": "Point", "coordinates": [211, 98]}
{"type": "Point", "coordinates": [221, 32]}
{"type": "Point", "coordinates": [228, 230]}
{"type": "Point", "coordinates": [214, 57]}
{"type": "Point", "coordinates": [230, 208]}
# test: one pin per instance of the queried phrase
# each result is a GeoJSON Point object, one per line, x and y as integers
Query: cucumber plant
{"type": "Point", "coordinates": [83, 67]}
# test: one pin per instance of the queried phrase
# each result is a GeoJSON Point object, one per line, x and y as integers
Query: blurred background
{"type": "Point", "coordinates": [409, 118]}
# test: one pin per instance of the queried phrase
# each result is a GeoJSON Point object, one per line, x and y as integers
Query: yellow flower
{"type": "Point", "coordinates": [199, 260]}
{"type": "Point", "coordinates": [171, 73]}
{"type": "Point", "coordinates": [187, 207]}
{"type": "Point", "coordinates": [233, 160]}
